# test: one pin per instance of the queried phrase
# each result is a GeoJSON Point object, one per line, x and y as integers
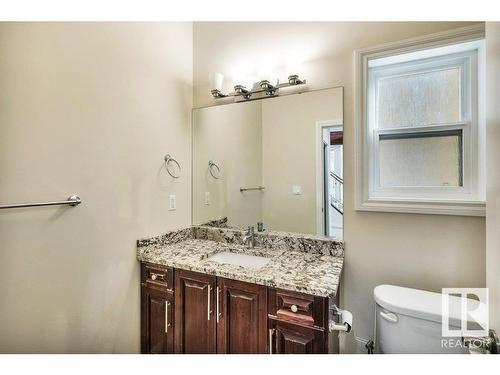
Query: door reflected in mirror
{"type": "Point", "coordinates": [276, 161]}
{"type": "Point", "coordinates": [333, 179]}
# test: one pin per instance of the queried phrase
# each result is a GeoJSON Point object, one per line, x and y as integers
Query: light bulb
{"type": "Point", "coordinates": [243, 77]}
{"type": "Point", "coordinates": [293, 66]}
{"type": "Point", "coordinates": [216, 80]}
{"type": "Point", "coordinates": [266, 74]}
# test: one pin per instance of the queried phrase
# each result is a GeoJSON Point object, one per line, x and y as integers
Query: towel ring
{"type": "Point", "coordinates": [168, 160]}
{"type": "Point", "coordinates": [211, 166]}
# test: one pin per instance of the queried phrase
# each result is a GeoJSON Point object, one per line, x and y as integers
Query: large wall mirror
{"type": "Point", "coordinates": [278, 161]}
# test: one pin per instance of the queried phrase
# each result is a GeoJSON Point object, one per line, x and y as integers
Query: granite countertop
{"type": "Point", "coordinates": [308, 272]}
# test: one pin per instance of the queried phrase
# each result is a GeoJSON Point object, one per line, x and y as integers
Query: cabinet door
{"type": "Point", "coordinates": [293, 339]}
{"type": "Point", "coordinates": [157, 331]}
{"type": "Point", "coordinates": [242, 317]}
{"type": "Point", "coordinates": [195, 325]}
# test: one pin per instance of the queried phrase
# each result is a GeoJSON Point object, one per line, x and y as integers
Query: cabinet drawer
{"type": "Point", "coordinates": [156, 276]}
{"type": "Point", "coordinates": [297, 308]}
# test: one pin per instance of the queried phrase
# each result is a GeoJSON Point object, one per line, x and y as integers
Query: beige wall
{"type": "Point", "coordinates": [493, 170]}
{"type": "Point", "coordinates": [231, 136]}
{"type": "Point", "coordinates": [89, 109]}
{"type": "Point", "coordinates": [421, 251]}
{"type": "Point", "coordinates": [290, 145]}
{"type": "Point", "coordinates": [92, 108]}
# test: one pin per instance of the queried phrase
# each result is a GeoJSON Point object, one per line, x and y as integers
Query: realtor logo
{"type": "Point", "coordinates": [464, 312]}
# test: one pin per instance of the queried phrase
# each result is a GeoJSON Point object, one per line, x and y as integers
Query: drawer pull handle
{"type": "Point", "coordinates": [217, 306]}
{"type": "Point", "coordinates": [208, 304]}
{"type": "Point", "coordinates": [154, 276]}
{"type": "Point", "coordinates": [294, 308]}
{"type": "Point", "coordinates": [271, 333]}
{"type": "Point", "coordinates": [167, 323]}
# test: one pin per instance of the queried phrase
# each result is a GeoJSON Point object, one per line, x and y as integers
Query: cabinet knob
{"type": "Point", "coordinates": [294, 308]}
{"type": "Point", "coordinates": [155, 276]}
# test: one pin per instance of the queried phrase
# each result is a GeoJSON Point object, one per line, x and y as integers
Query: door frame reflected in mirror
{"type": "Point", "coordinates": [321, 207]}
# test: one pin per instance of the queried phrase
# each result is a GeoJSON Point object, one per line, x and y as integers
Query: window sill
{"type": "Point", "coordinates": [413, 206]}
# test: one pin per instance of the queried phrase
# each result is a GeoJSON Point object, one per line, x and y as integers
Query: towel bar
{"type": "Point", "coordinates": [74, 200]}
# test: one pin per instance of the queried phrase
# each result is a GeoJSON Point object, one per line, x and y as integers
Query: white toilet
{"type": "Point", "coordinates": [409, 321]}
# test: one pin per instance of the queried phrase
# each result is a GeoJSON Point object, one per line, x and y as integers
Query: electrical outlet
{"type": "Point", "coordinates": [207, 198]}
{"type": "Point", "coordinates": [172, 202]}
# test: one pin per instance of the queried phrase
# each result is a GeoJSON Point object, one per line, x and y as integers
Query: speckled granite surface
{"type": "Point", "coordinates": [274, 240]}
{"type": "Point", "coordinates": [299, 263]}
{"type": "Point", "coordinates": [223, 223]}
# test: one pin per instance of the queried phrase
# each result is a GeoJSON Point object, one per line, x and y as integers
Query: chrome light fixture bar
{"type": "Point", "coordinates": [259, 90]}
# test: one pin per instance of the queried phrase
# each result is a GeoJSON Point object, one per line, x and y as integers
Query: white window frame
{"type": "Point", "coordinates": [464, 200]}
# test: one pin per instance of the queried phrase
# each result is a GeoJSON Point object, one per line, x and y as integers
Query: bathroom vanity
{"type": "Point", "coordinates": [268, 164]}
{"type": "Point", "coordinates": [193, 302]}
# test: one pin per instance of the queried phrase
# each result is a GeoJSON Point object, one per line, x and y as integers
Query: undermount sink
{"type": "Point", "coordinates": [237, 259]}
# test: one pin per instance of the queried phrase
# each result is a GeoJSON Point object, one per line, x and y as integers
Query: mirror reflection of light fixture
{"type": "Point", "coordinates": [216, 80]}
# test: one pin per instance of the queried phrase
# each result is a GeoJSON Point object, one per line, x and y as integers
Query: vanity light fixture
{"type": "Point", "coordinates": [267, 87]}
{"type": "Point", "coordinates": [241, 90]}
{"type": "Point", "coordinates": [259, 90]}
{"type": "Point", "coordinates": [294, 80]}
{"type": "Point", "coordinates": [217, 94]}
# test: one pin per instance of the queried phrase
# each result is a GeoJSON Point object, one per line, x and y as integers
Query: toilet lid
{"type": "Point", "coordinates": [423, 304]}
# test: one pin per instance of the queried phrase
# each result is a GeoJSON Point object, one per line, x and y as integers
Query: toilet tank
{"type": "Point", "coordinates": [409, 321]}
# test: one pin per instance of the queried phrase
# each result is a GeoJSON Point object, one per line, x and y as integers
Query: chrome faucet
{"type": "Point", "coordinates": [249, 238]}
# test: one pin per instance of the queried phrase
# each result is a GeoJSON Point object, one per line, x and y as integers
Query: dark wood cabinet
{"type": "Point", "coordinates": [195, 321]}
{"type": "Point", "coordinates": [242, 320]}
{"type": "Point", "coordinates": [156, 321]}
{"type": "Point", "coordinates": [298, 322]}
{"type": "Point", "coordinates": [289, 338]}
{"type": "Point", "coordinates": [190, 312]}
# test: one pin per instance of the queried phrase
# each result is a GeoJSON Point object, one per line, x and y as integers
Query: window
{"type": "Point", "coordinates": [420, 129]}
{"type": "Point", "coordinates": [421, 159]}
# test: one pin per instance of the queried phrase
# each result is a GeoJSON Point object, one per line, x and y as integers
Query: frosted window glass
{"type": "Point", "coordinates": [421, 159]}
{"type": "Point", "coordinates": [418, 99]}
